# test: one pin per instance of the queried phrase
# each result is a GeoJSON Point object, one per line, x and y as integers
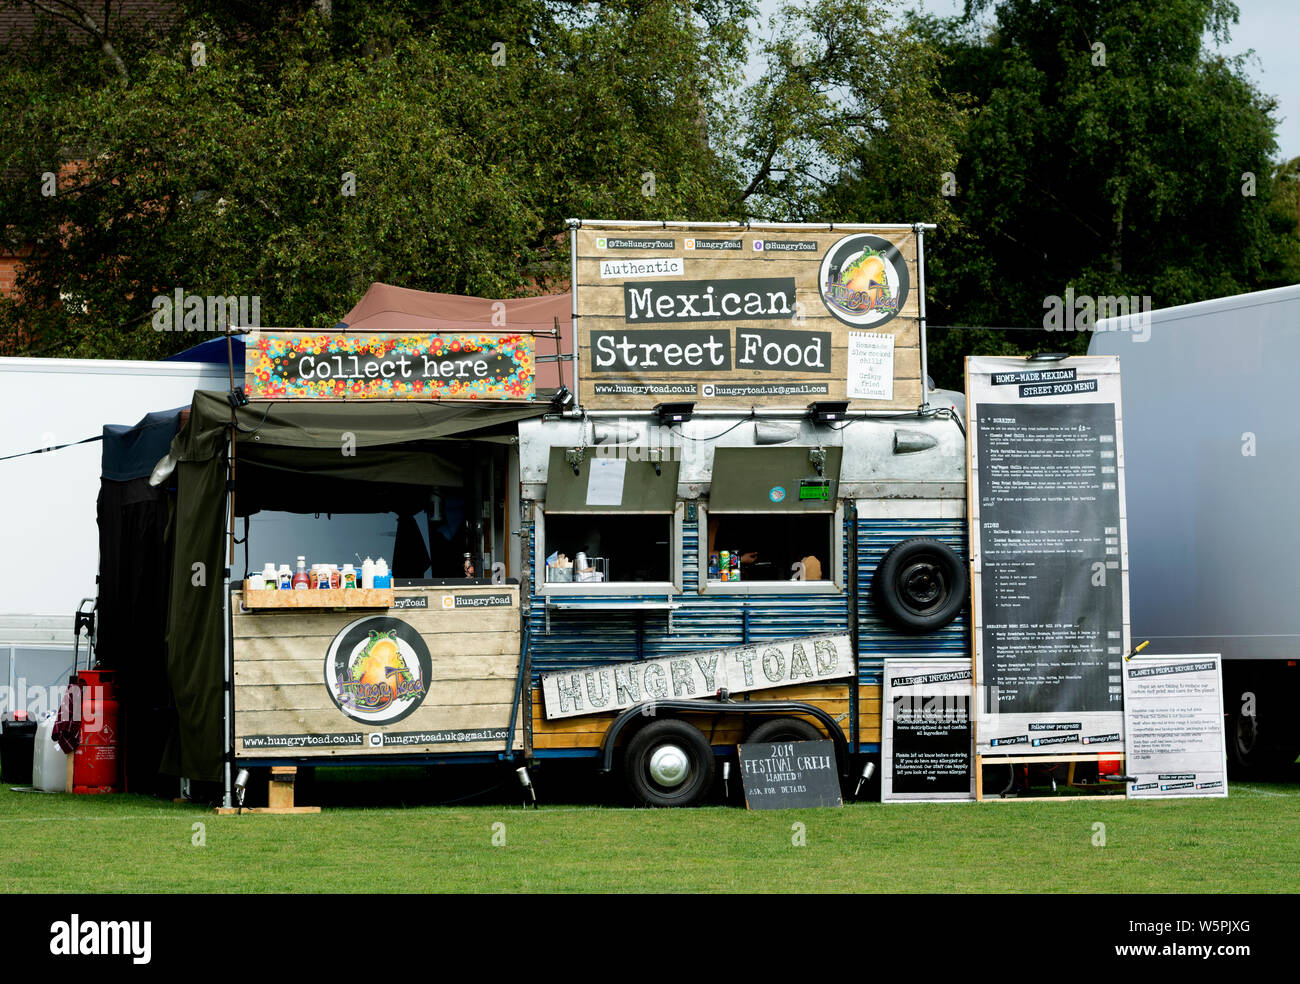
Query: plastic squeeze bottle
{"type": "Point", "coordinates": [367, 573]}
{"type": "Point", "coordinates": [300, 580]}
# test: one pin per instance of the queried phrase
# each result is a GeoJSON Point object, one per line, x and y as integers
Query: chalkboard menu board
{"type": "Point", "coordinates": [1048, 543]}
{"type": "Point", "coordinates": [926, 749]}
{"type": "Point", "coordinates": [790, 774]}
{"type": "Point", "coordinates": [1173, 719]}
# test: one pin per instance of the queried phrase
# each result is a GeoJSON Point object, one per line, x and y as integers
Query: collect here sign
{"type": "Point", "coordinates": [301, 365]}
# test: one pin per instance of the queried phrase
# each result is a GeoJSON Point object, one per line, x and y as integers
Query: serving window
{"type": "Point", "coordinates": [773, 522]}
{"type": "Point", "coordinates": [609, 525]}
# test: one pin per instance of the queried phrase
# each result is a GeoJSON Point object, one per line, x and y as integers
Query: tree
{"type": "Point", "coordinates": [296, 153]}
{"type": "Point", "coordinates": [1109, 152]}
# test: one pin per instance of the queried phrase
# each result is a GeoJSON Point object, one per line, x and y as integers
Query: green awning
{"type": "Point", "coordinates": [748, 480]}
{"type": "Point", "coordinates": [390, 444]}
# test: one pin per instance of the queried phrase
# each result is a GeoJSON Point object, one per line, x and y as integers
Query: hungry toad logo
{"type": "Point", "coordinates": [864, 280]}
{"type": "Point", "coordinates": [377, 669]}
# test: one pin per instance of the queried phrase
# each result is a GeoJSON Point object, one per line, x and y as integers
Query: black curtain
{"type": "Point", "coordinates": [134, 576]}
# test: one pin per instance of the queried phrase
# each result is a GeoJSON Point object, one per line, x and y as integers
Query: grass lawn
{"type": "Point", "coordinates": [1249, 842]}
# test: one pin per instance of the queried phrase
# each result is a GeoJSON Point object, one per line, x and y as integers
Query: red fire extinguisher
{"type": "Point", "coordinates": [95, 766]}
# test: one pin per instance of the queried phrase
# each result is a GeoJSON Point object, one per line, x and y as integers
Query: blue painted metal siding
{"type": "Point", "coordinates": [878, 639]}
{"type": "Point", "coordinates": [703, 622]}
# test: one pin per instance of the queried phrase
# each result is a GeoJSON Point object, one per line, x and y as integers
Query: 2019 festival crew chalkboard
{"type": "Point", "coordinates": [1049, 554]}
{"type": "Point", "coordinates": [778, 316]}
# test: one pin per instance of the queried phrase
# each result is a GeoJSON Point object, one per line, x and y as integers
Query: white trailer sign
{"type": "Point", "coordinates": [760, 666]}
{"type": "Point", "coordinates": [1173, 725]}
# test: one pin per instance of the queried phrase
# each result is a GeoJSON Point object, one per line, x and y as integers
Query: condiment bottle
{"type": "Point", "coordinates": [301, 580]}
{"type": "Point", "coordinates": [469, 565]}
{"type": "Point", "coordinates": [349, 576]}
{"type": "Point", "coordinates": [382, 578]}
{"type": "Point", "coordinates": [284, 578]}
{"type": "Point", "coordinates": [269, 580]}
{"type": "Point", "coordinates": [367, 573]}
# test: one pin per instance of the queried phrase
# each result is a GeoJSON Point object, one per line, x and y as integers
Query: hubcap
{"type": "Point", "coordinates": [923, 586]}
{"type": "Point", "coordinates": [669, 765]}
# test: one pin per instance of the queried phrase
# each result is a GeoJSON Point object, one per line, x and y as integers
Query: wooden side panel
{"type": "Point", "coordinates": [587, 731]}
{"type": "Point", "coordinates": [291, 701]}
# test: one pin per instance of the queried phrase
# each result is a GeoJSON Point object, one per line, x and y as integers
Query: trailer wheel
{"type": "Point", "coordinates": [669, 763]}
{"type": "Point", "coordinates": [1249, 754]}
{"type": "Point", "coordinates": [920, 585]}
{"type": "Point", "coordinates": [784, 729]}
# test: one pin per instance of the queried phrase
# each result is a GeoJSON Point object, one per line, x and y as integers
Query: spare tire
{"type": "Point", "coordinates": [920, 585]}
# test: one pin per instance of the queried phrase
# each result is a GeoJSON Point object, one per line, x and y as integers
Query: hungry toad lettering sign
{"type": "Point", "coordinates": [762, 666]}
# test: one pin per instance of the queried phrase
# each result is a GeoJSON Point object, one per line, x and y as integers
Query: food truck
{"type": "Point", "coordinates": [737, 497]}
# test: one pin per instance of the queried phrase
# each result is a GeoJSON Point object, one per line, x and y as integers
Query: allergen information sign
{"type": "Point", "coordinates": [1049, 554]}
{"type": "Point", "coordinates": [926, 750]}
{"type": "Point", "coordinates": [1173, 720]}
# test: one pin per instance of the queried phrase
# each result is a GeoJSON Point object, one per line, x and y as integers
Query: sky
{"type": "Point", "coordinates": [1269, 27]}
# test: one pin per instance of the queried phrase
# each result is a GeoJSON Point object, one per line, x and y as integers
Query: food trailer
{"type": "Point", "coordinates": [739, 499]}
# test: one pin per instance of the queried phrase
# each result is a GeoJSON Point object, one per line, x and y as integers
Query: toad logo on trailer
{"type": "Point", "coordinates": [377, 669]}
{"type": "Point", "coordinates": [863, 280]}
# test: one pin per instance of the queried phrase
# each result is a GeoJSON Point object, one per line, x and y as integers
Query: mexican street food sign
{"type": "Point", "coordinates": [773, 316]}
{"type": "Point", "coordinates": [386, 366]}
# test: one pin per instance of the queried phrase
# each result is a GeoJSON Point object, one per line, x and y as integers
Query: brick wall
{"type": "Point", "coordinates": [8, 271]}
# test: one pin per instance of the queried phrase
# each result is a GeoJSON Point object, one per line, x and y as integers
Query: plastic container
{"type": "Point", "coordinates": [382, 578]}
{"type": "Point", "coordinates": [349, 576]}
{"type": "Point", "coordinates": [367, 573]}
{"type": "Point", "coordinates": [301, 581]}
{"type": "Point", "coordinates": [49, 762]}
{"type": "Point", "coordinates": [284, 578]}
{"type": "Point", "coordinates": [269, 579]}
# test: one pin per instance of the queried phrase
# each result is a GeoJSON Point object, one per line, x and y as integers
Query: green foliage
{"type": "Point", "coordinates": [471, 132]}
{"type": "Point", "coordinates": [1108, 151]}
{"type": "Point", "coordinates": [230, 178]}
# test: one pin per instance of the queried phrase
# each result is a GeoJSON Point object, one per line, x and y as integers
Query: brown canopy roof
{"type": "Point", "coordinates": [400, 309]}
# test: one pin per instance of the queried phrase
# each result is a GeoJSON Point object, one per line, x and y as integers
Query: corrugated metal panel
{"type": "Point", "coordinates": [702, 622]}
{"type": "Point", "coordinates": [878, 639]}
